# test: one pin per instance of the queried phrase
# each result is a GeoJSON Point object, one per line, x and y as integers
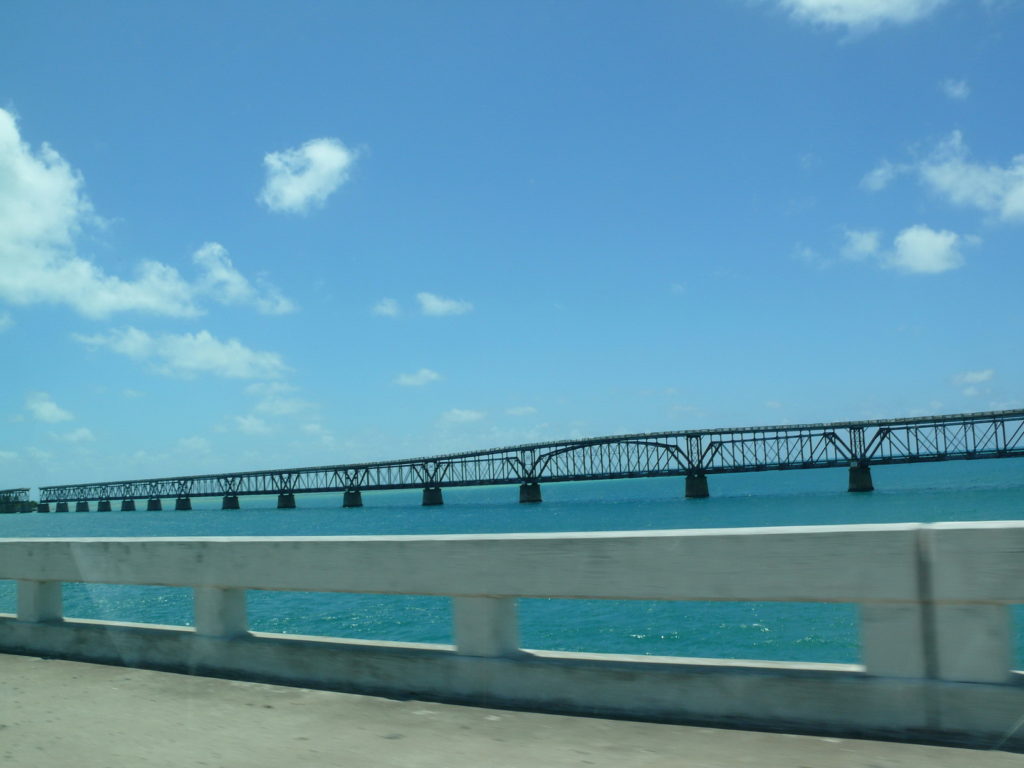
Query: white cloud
{"type": "Point", "coordinates": [251, 425]}
{"type": "Point", "coordinates": [80, 435]}
{"type": "Point", "coordinates": [434, 305]}
{"type": "Point", "coordinates": [43, 210]}
{"type": "Point", "coordinates": [275, 400]}
{"type": "Point", "coordinates": [386, 308]}
{"type": "Point", "coordinates": [8, 455]}
{"type": "Point", "coordinates": [878, 178]}
{"type": "Point", "coordinates": [418, 379]}
{"type": "Point", "coordinates": [991, 188]}
{"type": "Point", "coordinates": [302, 178]}
{"type": "Point", "coordinates": [860, 244]}
{"type": "Point", "coordinates": [41, 405]}
{"type": "Point", "coordinates": [189, 354]}
{"type": "Point", "coordinates": [224, 283]}
{"type": "Point", "coordinates": [521, 410]}
{"type": "Point", "coordinates": [194, 445]}
{"type": "Point", "coordinates": [460, 416]}
{"type": "Point", "coordinates": [969, 381]}
{"type": "Point", "coordinates": [956, 89]}
{"type": "Point", "coordinates": [6, 321]}
{"type": "Point", "coordinates": [924, 250]}
{"type": "Point", "coordinates": [860, 14]}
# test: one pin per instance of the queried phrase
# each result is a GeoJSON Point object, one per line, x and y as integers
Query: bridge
{"type": "Point", "coordinates": [14, 500]}
{"type": "Point", "coordinates": [693, 454]}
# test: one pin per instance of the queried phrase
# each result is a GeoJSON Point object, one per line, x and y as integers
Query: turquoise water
{"type": "Point", "coordinates": [982, 490]}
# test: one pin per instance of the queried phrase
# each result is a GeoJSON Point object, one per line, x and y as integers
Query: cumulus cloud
{"type": "Point", "coordinates": [421, 377]}
{"type": "Point", "coordinates": [957, 90]}
{"type": "Point", "coordinates": [8, 455]}
{"type": "Point", "coordinates": [251, 425]}
{"type": "Point", "coordinates": [858, 15]}
{"type": "Point", "coordinates": [521, 410]}
{"type": "Point", "coordinates": [879, 177]}
{"type": "Point", "coordinates": [968, 381]}
{"type": "Point", "coordinates": [860, 244]}
{"type": "Point", "coordinates": [925, 250]}
{"type": "Point", "coordinates": [42, 407]}
{"type": "Point", "coordinates": [994, 189]}
{"type": "Point", "coordinates": [386, 308]}
{"type": "Point", "coordinates": [432, 304]}
{"type": "Point", "coordinates": [80, 435]}
{"type": "Point", "coordinates": [43, 211]}
{"type": "Point", "coordinates": [302, 178]}
{"type": "Point", "coordinates": [275, 398]}
{"type": "Point", "coordinates": [461, 416]}
{"type": "Point", "coordinates": [227, 285]}
{"type": "Point", "coordinates": [190, 354]}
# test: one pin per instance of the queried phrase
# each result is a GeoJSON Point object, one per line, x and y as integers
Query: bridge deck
{"type": "Point", "coordinates": [996, 434]}
{"type": "Point", "coordinates": [163, 720]}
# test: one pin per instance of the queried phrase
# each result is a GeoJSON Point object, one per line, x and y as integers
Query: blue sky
{"type": "Point", "coordinates": [248, 235]}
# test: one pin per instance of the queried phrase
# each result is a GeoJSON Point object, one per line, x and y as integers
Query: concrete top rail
{"type": "Point", "coordinates": [816, 563]}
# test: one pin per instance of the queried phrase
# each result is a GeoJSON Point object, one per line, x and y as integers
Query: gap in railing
{"type": "Point", "coordinates": [810, 632]}
{"type": "Point", "coordinates": [122, 602]}
{"type": "Point", "coordinates": [8, 596]}
{"type": "Point", "coordinates": [399, 618]}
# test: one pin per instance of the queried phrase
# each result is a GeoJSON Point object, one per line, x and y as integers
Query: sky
{"type": "Point", "coordinates": [249, 235]}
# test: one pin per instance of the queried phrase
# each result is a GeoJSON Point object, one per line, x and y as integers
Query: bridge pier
{"type": "Point", "coordinates": [127, 505]}
{"type": "Point", "coordinates": [529, 493]}
{"type": "Point", "coordinates": [230, 502]}
{"type": "Point", "coordinates": [103, 505]}
{"type": "Point", "coordinates": [697, 486]}
{"type": "Point", "coordinates": [154, 505]}
{"type": "Point", "coordinates": [432, 497]}
{"type": "Point", "coordinates": [81, 506]}
{"type": "Point", "coordinates": [182, 504]}
{"type": "Point", "coordinates": [62, 506]}
{"type": "Point", "coordinates": [352, 498]}
{"type": "Point", "coordinates": [286, 501]}
{"type": "Point", "coordinates": [860, 478]}
{"type": "Point", "coordinates": [44, 506]}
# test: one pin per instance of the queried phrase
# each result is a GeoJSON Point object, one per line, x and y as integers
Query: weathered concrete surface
{"type": "Point", "coordinates": [92, 716]}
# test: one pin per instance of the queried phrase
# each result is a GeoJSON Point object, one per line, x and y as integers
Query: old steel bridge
{"type": "Point", "coordinates": [694, 454]}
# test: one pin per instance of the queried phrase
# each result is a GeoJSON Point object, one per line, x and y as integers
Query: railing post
{"type": "Point", "coordinates": [894, 640]}
{"type": "Point", "coordinates": [973, 642]}
{"type": "Point", "coordinates": [40, 601]}
{"type": "Point", "coordinates": [486, 626]}
{"type": "Point", "coordinates": [220, 612]}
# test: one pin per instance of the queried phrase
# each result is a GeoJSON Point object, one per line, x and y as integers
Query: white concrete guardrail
{"type": "Point", "coordinates": [936, 628]}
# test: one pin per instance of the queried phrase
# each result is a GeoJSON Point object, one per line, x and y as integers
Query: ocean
{"type": "Point", "coordinates": [947, 491]}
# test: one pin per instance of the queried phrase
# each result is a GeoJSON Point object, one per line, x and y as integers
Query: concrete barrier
{"type": "Point", "coordinates": [934, 601]}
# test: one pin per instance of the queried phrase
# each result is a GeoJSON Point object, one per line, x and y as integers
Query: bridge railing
{"type": "Point", "coordinates": [936, 630]}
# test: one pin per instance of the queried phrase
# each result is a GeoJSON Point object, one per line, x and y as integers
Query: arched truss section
{"type": "Point", "coordinates": [595, 459]}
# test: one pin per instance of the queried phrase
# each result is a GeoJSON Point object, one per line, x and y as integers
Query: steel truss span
{"type": "Point", "coordinates": [694, 453]}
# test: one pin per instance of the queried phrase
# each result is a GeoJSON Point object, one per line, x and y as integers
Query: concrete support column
{"type": "Point", "coordinates": [44, 506]}
{"type": "Point", "coordinates": [352, 498]}
{"type": "Point", "coordinates": [127, 505]}
{"type": "Point", "coordinates": [220, 612]}
{"type": "Point", "coordinates": [154, 505]}
{"type": "Point", "coordinates": [40, 601]}
{"type": "Point", "coordinates": [286, 501]}
{"type": "Point", "coordinates": [230, 502]}
{"type": "Point", "coordinates": [973, 643]}
{"type": "Point", "coordinates": [486, 626]}
{"type": "Point", "coordinates": [103, 505]}
{"type": "Point", "coordinates": [81, 506]}
{"type": "Point", "coordinates": [860, 478]}
{"type": "Point", "coordinates": [182, 504]}
{"type": "Point", "coordinates": [62, 506]}
{"type": "Point", "coordinates": [432, 497]}
{"type": "Point", "coordinates": [697, 486]}
{"type": "Point", "coordinates": [893, 639]}
{"type": "Point", "coordinates": [529, 493]}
